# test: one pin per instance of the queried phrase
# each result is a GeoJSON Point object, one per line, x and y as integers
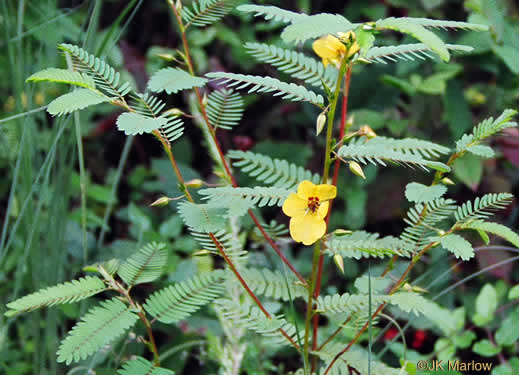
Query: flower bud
{"type": "Point", "coordinates": [356, 169]}
{"type": "Point", "coordinates": [174, 112]}
{"type": "Point", "coordinates": [342, 232]}
{"type": "Point", "coordinates": [321, 121]}
{"type": "Point", "coordinates": [178, 5]}
{"type": "Point", "coordinates": [447, 181]}
{"type": "Point", "coordinates": [204, 100]}
{"type": "Point", "coordinates": [195, 183]}
{"type": "Point", "coordinates": [339, 262]}
{"type": "Point", "coordinates": [162, 201]}
{"type": "Point", "coordinates": [367, 131]}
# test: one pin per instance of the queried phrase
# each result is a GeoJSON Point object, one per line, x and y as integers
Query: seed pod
{"type": "Point", "coordinates": [356, 169]}
{"type": "Point", "coordinates": [339, 262]}
{"type": "Point", "coordinates": [321, 121]}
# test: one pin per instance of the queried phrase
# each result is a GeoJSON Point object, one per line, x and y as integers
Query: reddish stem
{"type": "Point", "coordinates": [344, 113]}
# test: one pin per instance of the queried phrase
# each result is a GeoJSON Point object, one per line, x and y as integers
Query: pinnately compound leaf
{"type": "Point", "coordinates": [315, 26]}
{"type": "Point", "coordinates": [99, 327]}
{"type": "Point", "coordinates": [63, 76]}
{"type": "Point", "coordinates": [180, 300]}
{"type": "Point", "coordinates": [173, 80]}
{"type": "Point", "coordinates": [68, 292]}
{"type": "Point", "coordinates": [203, 217]}
{"type": "Point", "coordinates": [135, 123]}
{"type": "Point", "coordinates": [145, 265]}
{"type": "Point", "coordinates": [141, 366]}
{"type": "Point", "coordinates": [419, 193]}
{"type": "Point", "coordinates": [205, 12]}
{"type": "Point", "coordinates": [77, 99]}
{"type": "Point", "coordinates": [270, 12]}
{"type": "Point", "coordinates": [224, 108]}
{"type": "Point", "coordinates": [457, 245]}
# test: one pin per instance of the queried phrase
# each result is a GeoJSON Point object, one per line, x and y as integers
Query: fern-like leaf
{"type": "Point", "coordinates": [68, 292]}
{"type": "Point", "coordinates": [75, 100]}
{"type": "Point", "coordinates": [407, 52]}
{"type": "Point", "coordinates": [494, 228]}
{"type": "Point", "coordinates": [205, 12]}
{"type": "Point", "coordinates": [141, 366]}
{"type": "Point", "coordinates": [252, 318]}
{"type": "Point", "coordinates": [203, 217]}
{"type": "Point", "coordinates": [484, 130]}
{"type": "Point", "coordinates": [356, 358]}
{"type": "Point", "coordinates": [240, 199]}
{"type": "Point", "coordinates": [274, 284]}
{"type": "Point", "coordinates": [147, 105]}
{"type": "Point", "coordinates": [412, 146]}
{"type": "Point", "coordinates": [296, 64]}
{"type": "Point", "coordinates": [379, 153]}
{"type": "Point", "coordinates": [134, 123]}
{"type": "Point", "coordinates": [100, 326]}
{"type": "Point", "coordinates": [407, 26]}
{"type": "Point", "coordinates": [274, 229]}
{"type": "Point", "coordinates": [289, 91]}
{"type": "Point", "coordinates": [145, 265]}
{"type": "Point", "coordinates": [420, 193]}
{"type": "Point", "coordinates": [362, 244]}
{"type": "Point", "coordinates": [270, 12]}
{"type": "Point", "coordinates": [483, 207]}
{"type": "Point", "coordinates": [224, 108]}
{"type": "Point", "coordinates": [315, 26]}
{"type": "Point", "coordinates": [348, 303]}
{"type": "Point", "coordinates": [63, 76]}
{"type": "Point", "coordinates": [423, 218]}
{"type": "Point", "coordinates": [106, 79]}
{"type": "Point", "coordinates": [275, 172]}
{"type": "Point", "coordinates": [448, 25]}
{"type": "Point", "coordinates": [457, 245]}
{"type": "Point", "coordinates": [178, 301]}
{"type": "Point", "coordinates": [173, 80]}
{"type": "Point", "coordinates": [232, 247]}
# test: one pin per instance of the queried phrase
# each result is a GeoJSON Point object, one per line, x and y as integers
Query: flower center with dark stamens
{"type": "Point", "coordinates": [313, 204]}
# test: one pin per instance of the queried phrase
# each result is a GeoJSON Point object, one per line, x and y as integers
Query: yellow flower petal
{"type": "Point", "coordinates": [325, 192]}
{"type": "Point", "coordinates": [307, 229]}
{"type": "Point", "coordinates": [295, 205]}
{"type": "Point", "coordinates": [306, 189]}
{"type": "Point", "coordinates": [322, 211]}
{"type": "Point", "coordinates": [330, 49]}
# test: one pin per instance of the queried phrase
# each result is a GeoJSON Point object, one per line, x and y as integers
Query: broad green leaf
{"type": "Point", "coordinates": [514, 292]}
{"type": "Point", "coordinates": [135, 123]}
{"type": "Point", "coordinates": [486, 304]}
{"type": "Point", "coordinates": [485, 348]}
{"type": "Point", "coordinates": [508, 331]}
{"type": "Point", "coordinates": [464, 340]}
{"type": "Point", "coordinates": [469, 169]}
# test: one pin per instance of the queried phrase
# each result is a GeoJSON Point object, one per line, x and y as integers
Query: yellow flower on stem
{"type": "Point", "coordinates": [330, 49]}
{"type": "Point", "coordinates": [307, 209]}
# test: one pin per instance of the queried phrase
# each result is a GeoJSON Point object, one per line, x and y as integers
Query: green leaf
{"type": "Point", "coordinates": [464, 340]}
{"type": "Point", "coordinates": [449, 25]}
{"type": "Point", "coordinates": [513, 293]}
{"type": "Point", "coordinates": [106, 79]}
{"type": "Point", "coordinates": [315, 26]}
{"type": "Point", "coordinates": [508, 331]}
{"type": "Point", "coordinates": [419, 193]}
{"type": "Point", "coordinates": [224, 109]}
{"type": "Point", "coordinates": [497, 229]}
{"type": "Point", "coordinates": [275, 172]}
{"type": "Point", "coordinates": [457, 245]}
{"type": "Point", "coordinates": [180, 300]}
{"type": "Point", "coordinates": [486, 305]}
{"type": "Point", "coordinates": [203, 217]}
{"type": "Point", "coordinates": [273, 13]}
{"type": "Point", "coordinates": [205, 12]}
{"type": "Point", "coordinates": [457, 110]}
{"type": "Point", "coordinates": [289, 91]}
{"type": "Point", "coordinates": [134, 123]}
{"type": "Point", "coordinates": [408, 26]}
{"type": "Point", "coordinates": [99, 327]}
{"type": "Point", "coordinates": [485, 348]}
{"type": "Point", "coordinates": [483, 207]}
{"type": "Point", "coordinates": [509, 55]}
{"type": "Point", "coordinates": [145, 265]}
{"type": "Point", "coordinates": [77, 99]}
{"type": "Point", "coordinates": [469, 169]}
{"type": "Point", "coordinates": [68, 292]}
{"type": "Point", "coordinates": [63, 76]}
{"type": "Point", "coordinates": [296, 64]}
{"type": "Point", "coordinates": [173, 80]}
{"type": "Point", "coordinates": [407, 52]}
{"type": "Point", "coordinates": [141, 366]}
{"type": "Point", "coordinates": [274, 284]}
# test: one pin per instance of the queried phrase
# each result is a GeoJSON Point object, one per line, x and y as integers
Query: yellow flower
{"type": "Point", "coordinates": [330, 49]}
{"type": "Point", "coordinates": [307, 209]}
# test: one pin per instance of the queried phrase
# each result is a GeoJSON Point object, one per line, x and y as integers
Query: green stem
{"type": "Point", "coordinates": [309, 307]}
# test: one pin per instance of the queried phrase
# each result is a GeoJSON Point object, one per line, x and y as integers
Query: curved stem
{"type": "Point", "coordinates": [212, 131]}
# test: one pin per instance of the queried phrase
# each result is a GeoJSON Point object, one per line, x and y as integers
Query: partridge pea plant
{"type": "Point", "coordinates": [240, 291]}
